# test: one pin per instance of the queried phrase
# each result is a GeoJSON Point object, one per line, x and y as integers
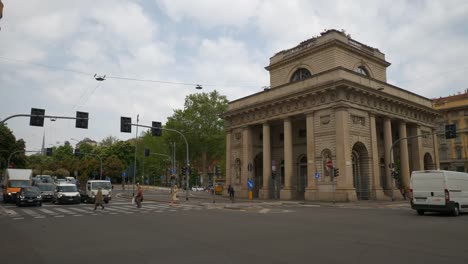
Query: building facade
{"type": "Point", "coordinates": [329, 105]}
{"type": "Point", "coordinates": [453, 152]}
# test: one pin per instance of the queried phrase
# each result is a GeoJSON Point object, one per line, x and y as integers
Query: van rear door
{"type": "Point", "coordinates": [428, 188]}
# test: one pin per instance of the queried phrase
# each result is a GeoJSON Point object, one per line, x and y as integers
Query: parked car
{"type": "Point", "coordinates": [47, 191]}
{"type": "Point", "coordinates": [29, 195]}
{"type": "Point", "coordinates": [66, 193]}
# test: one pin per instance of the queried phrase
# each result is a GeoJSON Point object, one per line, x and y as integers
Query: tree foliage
{"type": "Point", "coordinates": [8, 145]}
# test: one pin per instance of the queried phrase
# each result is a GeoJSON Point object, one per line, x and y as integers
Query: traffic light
{"type": "Point", "coordinates": [156, 130]}
{"type": "Point", "coordinates": [77, 152]}
{"type": "Point", "coordinates": [81, 120]}
{"type": "Point", "coordinates": [37, 117]}
{"type": "Point", "coordinates": [337, 172]}
{"type": "Point", "coordinates": [218, 170]}
{"type": "Point", "coordinates": [147, 152]}
{"type": "Point", "coordinates": [49, 151]}
{"type": "Point", "coordinates": [125, 124]}
{"type": "Point", "coordinates": [450, 131]}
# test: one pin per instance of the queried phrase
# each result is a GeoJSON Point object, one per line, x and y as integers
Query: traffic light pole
{"type": "Point", "coordinates": [44, 116]}
{"type": "Point", "coordinates": [187, 150]}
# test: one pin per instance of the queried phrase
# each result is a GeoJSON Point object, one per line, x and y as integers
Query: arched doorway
{"type": "Point", "coordinates": [302, 177]}
{"type": "Point", "coordinates": [428, 163]}
{"type": "Point", "coordinates": [258, 175]}
{"type": "Point", "coordinates": [361, 171]}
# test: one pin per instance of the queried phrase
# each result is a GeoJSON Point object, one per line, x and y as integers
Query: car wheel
{"type": "Point", "coordinates": [456, 210]}
{"type": "Point", "coordinates": [420, 212]}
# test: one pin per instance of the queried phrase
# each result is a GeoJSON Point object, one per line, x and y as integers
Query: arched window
{"type": "Point", "coordinates": [300, 74]}
{"type": "Point", "coordinates": [362, 70]}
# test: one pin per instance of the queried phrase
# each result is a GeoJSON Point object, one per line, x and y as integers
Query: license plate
{"type": "Point", "coordinates": [30, 201]}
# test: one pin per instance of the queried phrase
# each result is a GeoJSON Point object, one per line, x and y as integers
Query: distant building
{"type": "Point", "coordinates": [453, 152]}
{"type": "Point", "coordinates": [86, 141]}
{"type": "Point", "coordinates": [329, 105]}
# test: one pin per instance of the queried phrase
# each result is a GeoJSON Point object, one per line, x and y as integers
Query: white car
{"type": "Point", "coordinates": [197, 188]}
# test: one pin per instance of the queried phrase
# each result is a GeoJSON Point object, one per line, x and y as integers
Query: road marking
{"type": "Point", "coordinates": [47, 211]}
{"type": "Point", "coordinates": [64, 211]}
{"type": "Point", "coordinates": [11, 212]}
{"type": "Point", "coordinates": [30, 212]}
{"type": "Point", "coordinates": [264, 211]}
{"type": "Point", "coordinates": [59, 216]}
{"type": "Point", "coordinates": [40, 216]}
{"type": "Point", "coordinates": [77, 215]}
{"type": "Point", "coordinates": [18, 218]}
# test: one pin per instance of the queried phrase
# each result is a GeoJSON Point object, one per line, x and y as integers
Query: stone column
{"type": "Point", "coordinates": [388, 156]}
{"type": "Point", "coordinates": [435, 146]}
{"type": "Point", "coordinates": [345, 190]}
{"type": "Point", "coordinates": [311, 190]}
{"type": "Point", "coordinates": [404, 160]}
{"type": "Point", "coordinates": [228, 158]}
{"type": "Point", "coordinates": [287, 192]}
{"type": "Point", "coordinates": [417, 150]}
{"type": "Point", "coordinates": [247, 153]}
{"type": "Point", "coordinates": [265, 190]}
{"type": "Point", "coordinates": [377, 192]}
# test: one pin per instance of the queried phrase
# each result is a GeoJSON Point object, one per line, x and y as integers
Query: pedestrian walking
{"type": "Point", "coordinates": [175, 190]}
{"type": "Point", "coordinates": [98, 199]}
{"type": "Point", "coordinates": [403, 192]}
{"type": "Point", "coordinates": [139, 196]}
{"type": "Point", "coordinates": [231, 193]}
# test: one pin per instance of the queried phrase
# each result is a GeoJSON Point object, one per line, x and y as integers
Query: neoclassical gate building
{"type": "Point", "coordinates": [328, 102]}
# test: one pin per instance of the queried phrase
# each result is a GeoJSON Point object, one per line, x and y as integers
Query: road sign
{"type": "Point", "coordinates": [250, 167]}
{"type": "Point", "coordinates": [329, 164]}
{"type": "Point", "coordinates": [172, 170]}
{"type": "Point", "coordinates": [124, 174]}
{"type": "Point", "coordinates": [250, 184]}
{"type": "Point", "coordinates": [317, 175]}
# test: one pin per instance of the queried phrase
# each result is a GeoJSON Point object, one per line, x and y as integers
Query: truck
{"type": "Point", "coordinates": [13, 180]}
{"type": "Point", "coordinates": [439, 191]}
{"type": "Point", "coordinates": [88, 191]}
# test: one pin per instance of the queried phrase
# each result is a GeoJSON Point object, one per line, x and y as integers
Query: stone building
{"type": "Point", "coordinates": [453, 152]}
{"type": "Point", "coordinates": [329, 104]}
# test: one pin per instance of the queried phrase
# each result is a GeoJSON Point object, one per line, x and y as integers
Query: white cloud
{"type": "Point", "coordinates": [210, 13]}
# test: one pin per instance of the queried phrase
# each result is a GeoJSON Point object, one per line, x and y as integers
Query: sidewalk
{"type": "Point", "coordinates": [240, 203]}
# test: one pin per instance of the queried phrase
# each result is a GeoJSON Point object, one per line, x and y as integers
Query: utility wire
{"type": "Point", "coordinates": [121, 78]}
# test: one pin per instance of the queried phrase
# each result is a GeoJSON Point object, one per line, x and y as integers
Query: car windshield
{"type": "Point", "coordinates": [31, 191]}
{"type": "Point", "coordinates": [46, 187]}
{"type": "Point", "coordinates": [66, 188]}
{"type": "Point", "coordinates": [18, 184]}
{"type": "Point", "coordinates": [47, 180]}
{"type": "Point", "coordinates": [103, 185]}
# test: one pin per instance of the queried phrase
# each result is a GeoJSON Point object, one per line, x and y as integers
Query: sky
{"type": "Point", "coordinates": [50, 51]}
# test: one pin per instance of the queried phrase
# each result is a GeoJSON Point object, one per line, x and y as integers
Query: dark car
{"type": "Point", "coordinates": [30, 195]}
{"type": "Point", "coordinates": [47, 191]}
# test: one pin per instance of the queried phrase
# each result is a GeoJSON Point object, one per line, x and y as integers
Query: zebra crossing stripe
{"type": "Point", "coordinates": [30, 212]}
{"type": "Point", "coordinates": [64, 211]}
{"type": "Point", "coordinates": [81, 210]}
{"type": "Point", "coordinates": [118, 210]}
{"type": "Point", "coordinates": [47, 211]}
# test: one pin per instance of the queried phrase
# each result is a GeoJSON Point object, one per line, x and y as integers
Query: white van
{"type": "Point", "coordinates": [439, 191]}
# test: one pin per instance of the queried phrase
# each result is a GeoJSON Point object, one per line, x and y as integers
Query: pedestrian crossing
{"type": "Point", "coordinates": [53, 211]}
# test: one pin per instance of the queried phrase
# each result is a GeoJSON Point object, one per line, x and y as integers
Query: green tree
{"type": "Point", "coordinates": [108, 141]}
{"type": "Point", "coordinates": [200, 122]}
{"type": "Point", "coordinates": [62, 173]}
{"type": "Point", "coordinates": [113, 167]}
{"type": "Point", "coordinates": [8, 145]}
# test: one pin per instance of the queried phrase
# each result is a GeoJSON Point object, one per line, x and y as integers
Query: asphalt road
{"type": "Point", "coordinates": [208, 235]}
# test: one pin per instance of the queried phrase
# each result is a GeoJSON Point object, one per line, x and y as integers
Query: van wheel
{"type": "Point", "coordinates": [456, 210]}
{"type": "Point", "coordinates": [420, 212]}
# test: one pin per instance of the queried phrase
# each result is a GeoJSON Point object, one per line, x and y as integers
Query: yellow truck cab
{"type": "Point", "coordinates": [14, 179]}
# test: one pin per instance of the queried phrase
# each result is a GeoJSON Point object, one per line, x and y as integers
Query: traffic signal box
{"type": "Point", "coordinates": [125, 124]}
{"type": "Point", "coordinates": [81, 120]}
{"type": "Point", "coordinates": [156, 129]}
{"type": "Point", "coordinates": [49, 151]}
{"type": "Point", "coordinates": [450, 131]}
{"type": "Point", "coordinates": [37, 117]}
{"type": "Point", "coordinates": [147, 152]}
